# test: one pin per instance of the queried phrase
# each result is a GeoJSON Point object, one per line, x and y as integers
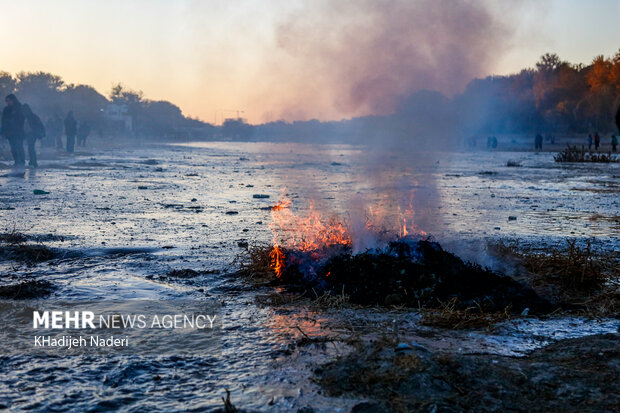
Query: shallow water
{"type": "Point", "coordinates": [121, 220]}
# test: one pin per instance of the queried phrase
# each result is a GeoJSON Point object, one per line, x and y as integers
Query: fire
{"type": "Point", "coordinates": [276, 260]}
{"type": "Point", "coordinates": [306, 232]}
{"type": "Point", "coordinates": [314, 233]}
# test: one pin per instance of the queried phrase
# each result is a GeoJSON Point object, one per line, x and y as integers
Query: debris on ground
{"type": "Point", "coordinates": [554, 378]}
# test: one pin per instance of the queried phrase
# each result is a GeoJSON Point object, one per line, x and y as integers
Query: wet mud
{"type": "Point", "coordinates": [168, 222]}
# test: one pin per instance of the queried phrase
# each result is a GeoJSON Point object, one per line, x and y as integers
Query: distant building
{"type": "Point", "coordinates": [119, 114]}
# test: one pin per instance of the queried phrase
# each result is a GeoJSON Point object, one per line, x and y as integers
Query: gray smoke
{"type": "Point", "coordinates": [361, 57]}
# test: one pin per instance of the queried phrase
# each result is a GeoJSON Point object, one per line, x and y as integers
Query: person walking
{"type": "Point", "coordinates": [54, 130]}
{"type": "Point", "coordinates": [12, 128]}
{"type": "Point", "coordinates": [70, 131]}
{"type": "Point", "coordinates": [538, 141]}
{"type": "Point", "coordinates": [82, 133]}
{"type": "Point", "coordinates": [614, 143]}
{"type": "Point", "coordinates": [597, 141]}
{"type": "Point", "coordinates": [34, 130]}
{"type": "Point", "coordinates": [590, 142]}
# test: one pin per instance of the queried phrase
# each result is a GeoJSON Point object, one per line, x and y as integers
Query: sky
{"type": "Point", "coordinates": [296, 59]}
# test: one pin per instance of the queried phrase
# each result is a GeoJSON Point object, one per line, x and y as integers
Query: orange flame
{"type": "Point", "coordinates": [307, 232]}
{"type": "Point", "coordinates": [312, 232]}
{"type": "Point", "coordinates": [276, 260]}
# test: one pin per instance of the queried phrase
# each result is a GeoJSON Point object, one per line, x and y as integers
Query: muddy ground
{"type": "Point", "coordinates": [167, 222]}
{"type": "Point", "coordinates": [570, 375]}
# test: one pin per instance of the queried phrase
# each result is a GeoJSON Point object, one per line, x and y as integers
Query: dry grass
{"type": "Point", "coordinates": [329, 301]}
{"type": "Point", "coordinates": [27, 289]}
{"type": "Point", "coordinates": [585, 279]}
{"type": "Point", "coordinates": [449, 316]}
{"type": "Point", "coordinates": [603, 304]}
{"type": "Point", "coordinates": [13, 246]}
{"type": "Point", "coordinates": [254, 263]}
{"type": "Point", "coordinates": [574, 154]}
{"type": "Point", "coordinates": [573, 268]}
{"type": "Point", "coordinates": [13, 237]}
{"type": "Point", "coordinates": [280, 298]}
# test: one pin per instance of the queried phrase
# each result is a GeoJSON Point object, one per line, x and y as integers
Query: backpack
{"type": "Point", "coordinates": [38, 130]}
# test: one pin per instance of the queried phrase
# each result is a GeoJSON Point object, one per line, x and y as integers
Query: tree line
{"type": "Point", "coordinates": [553, 97]}
{"type": "Point", "coordinates": [48, 95]}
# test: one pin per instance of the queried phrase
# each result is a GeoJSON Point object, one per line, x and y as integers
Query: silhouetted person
{"type": "Point", "coordinates": [538, 141]}
{"type": "Point", "coordinates": [70, 131]}
{"type": "Point", "coordinates": [614, 143]}
{"type": "Point", "coordinates": [12, 128]}
{"type": "Point", "coordinates": [597, 141]}
{"type": "Point", "coordinates": [618, 118]}
{"type": "Point", "coordinates": [82, 133]}
{"type": "Point", "coordinates": [34, 130]}
{"type": "Point", "coordinates": [54, 130]}
{"type": "Point", "coordinates": [590, 142]}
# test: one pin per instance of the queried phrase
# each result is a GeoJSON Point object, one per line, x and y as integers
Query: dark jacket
{"type": "Point", "coordinates": [37, 130]}
{"type": "Point", "coordinates": [70, 126]}
{"type": "Point", "coordinates": [12, 122]}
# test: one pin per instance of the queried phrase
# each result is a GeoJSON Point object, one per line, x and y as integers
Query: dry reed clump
{"type": "Point", "coordinates": [13, 247]}
{"type": "Point", "coordinates": [27, 289]}
{"type": "Point", "coordinates": [573, 268]}
{"type": "Point", "coordinates": [585, 279]}
{"type": "Point", "coordinates": [13, 237]}
{"type": "Point", "coordinates": [255, 263]}
{"type": "Point", "coordinates": [574, 154]}
{"type": "Point", "coordinates": [280, 298]}
{"type": "Point", "coordinates": [450, 316]}
{"type": "Point", "coordinates": [329, 300]}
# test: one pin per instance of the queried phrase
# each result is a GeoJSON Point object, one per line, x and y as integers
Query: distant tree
{"type": "Point", "coordinates": [7, 84]}
{"type": "Point", "coordinates": [161, 118]}
{"type": "Point", "coordinates": [43, 91]}
{"type": "Point", "coordinates": [86, 102]}
{"type": "Point", "coordinates": [548, 63]}
{"type": "Point", "coordinates": [122, 95]}
{"type": "Point", "coordinates": [602, 92]}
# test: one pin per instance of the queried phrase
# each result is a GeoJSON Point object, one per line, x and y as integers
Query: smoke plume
{"type": "Point", "coordinates": [361, 57]}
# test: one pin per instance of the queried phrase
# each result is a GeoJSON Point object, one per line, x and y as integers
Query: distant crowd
{"type": "Point", "coordinates": [20, 123]}
{"type": "Point", "coordinates": [593, 140]}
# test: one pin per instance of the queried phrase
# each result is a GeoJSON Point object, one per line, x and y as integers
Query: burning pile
{"type": "Point", "coordinates": [317, 255]}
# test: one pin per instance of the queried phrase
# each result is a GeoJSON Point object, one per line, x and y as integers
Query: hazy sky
{"type": "Point", "coordinates": [295, 59]}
